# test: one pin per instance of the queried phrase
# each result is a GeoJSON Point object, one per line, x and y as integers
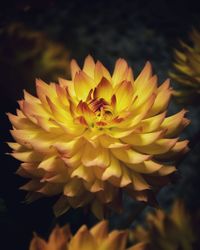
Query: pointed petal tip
{"type": "Point", "coordinates": [185, 110]}
{"type": "Point", "coordinates": [38, 81]}
{"type": "Point", "coordinates": [89, 56]}
{"type": "Point", "coordinates": [148, 64]}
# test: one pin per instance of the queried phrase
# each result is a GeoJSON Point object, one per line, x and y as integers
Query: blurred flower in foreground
{"type": "Point", "coordinates": [187, 70]}
{"type": "Point", "coordinates": [97, 238]}
{"type": "Point", "coordinates": [27, 53]}
{"type": "Point", "coordinates": [96, 135]}
{"type": "Point", "coordinates": [177, 230]}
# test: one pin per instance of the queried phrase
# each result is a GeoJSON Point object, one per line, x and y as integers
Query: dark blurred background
{"type": "Point", "coordinates": [38, 38]}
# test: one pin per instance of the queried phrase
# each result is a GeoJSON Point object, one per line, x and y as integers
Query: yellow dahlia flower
{"type": "Point", "coordinates": [97, 238]}
{"type": "Point", "coordinates": [187, 69]}
{"type": "Point", "coordinates": [93, 136]}
{"type": "Point", "coordinates": [173, 231]}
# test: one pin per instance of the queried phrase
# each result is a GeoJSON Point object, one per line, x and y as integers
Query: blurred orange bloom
{"type": "Point", "coordinates": [97, 238]}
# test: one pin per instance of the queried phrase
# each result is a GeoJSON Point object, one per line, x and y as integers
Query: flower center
{"type": "Point", "coordinates": [102, 110]}
{"type": "Point", "coordinates": [96, 105]}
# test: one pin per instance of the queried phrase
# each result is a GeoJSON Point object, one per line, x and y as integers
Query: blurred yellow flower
{"type": "Point", "coordinates": [97, 238]}
{"type": "Point", "coordinates": [25, 53]}
{"type": "Point", "coordinates": [171, 231]}
{"type": "Point", "coordinates": [187, 69]}
{"type": "Point", "coordinates": [93, 136]}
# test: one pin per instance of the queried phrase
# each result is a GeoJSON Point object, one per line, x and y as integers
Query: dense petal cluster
{"type": "Point", "coordinates": [173, 231]}
{"type": "Point", "coordinates": [97, 238]}
{"type": "Point", "coordinates": [98, 134]}
{"type": "Point", "coordinates": [187, 69]}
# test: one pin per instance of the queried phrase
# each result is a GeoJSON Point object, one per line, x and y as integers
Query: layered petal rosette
{"type": "Point", "coordinates": [98, 237]}
{"type": "Point", "coordinates": [187, 69]}
{"type": "Point", "coordinates": [90, 138]}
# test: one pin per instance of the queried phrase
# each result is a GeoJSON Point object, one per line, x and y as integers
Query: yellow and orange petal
{"type": "Point", "coordinates": [90, 138]}
{"type": "Point", "coordinates": [187, 69]}
{"type": "Point", "coordinates": [98, 237]}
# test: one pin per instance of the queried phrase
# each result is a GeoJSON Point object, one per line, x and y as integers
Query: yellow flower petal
{"type": "Point", "coordinates": [124, 96]}
{"type": "Point", "coordinates": [82, 240]}
{"type": "Point", "coordinates": [97, 209]}
{"type": "Point", "coordinates": [82, 85]}
{"type": "Point", "coordinates": [145, 91]}
{"type": "Point", "coordinates": [146, 167]}
{"type": "Point", "coordinates": [142, 139]}
{"type": "Point", "coordinates": [142, 79]}
{"type": "Point", "coordinates": [89, 66]}
{"type": "Point", "coordinates": [38, 243]}
{"type": "Point", "coordinates": [61, 206]}
{"type": "Point", "coordinates": [69, 85]}
{"type": "Point", "coordinates": [116, 240]}
{"type": "Point", "coordinates": [139, 182]}
{"type": "Point", "coordinates": [51, 163]}
{"type": "Point", "coordinates": [100, 231]}
{"type": "Point", "coordinates": [104, 90]}
{"type": "Point", "coordinates": [95, 156]}
{"type": "Point", "coordinates": [151, 124]}
{"type": "Point", "coordinates": [109, 142]}
{"type": "Point", "coordinates": [120, 71]}
{"type": "Point", "coordinates": [161, 102]}
{"type": "Point", "coordinates": [27, 156]}
{"type": "Point", "coordinates": [100, 72]}
{"type": "Point", "coordinates": [73, 188]}
{"type": "Point", "coordinates": [83, 173]}
{"type": "Point", "coordinates": [114, 169]}
{"type": "Point", "coordinates": [161, 146]}
{"type": "Point", "coordinates": [74, 68]}
{"type": "Point", "coordinates": [173, 124]}
{"type": "Point", "coordinates": [129, 155]}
